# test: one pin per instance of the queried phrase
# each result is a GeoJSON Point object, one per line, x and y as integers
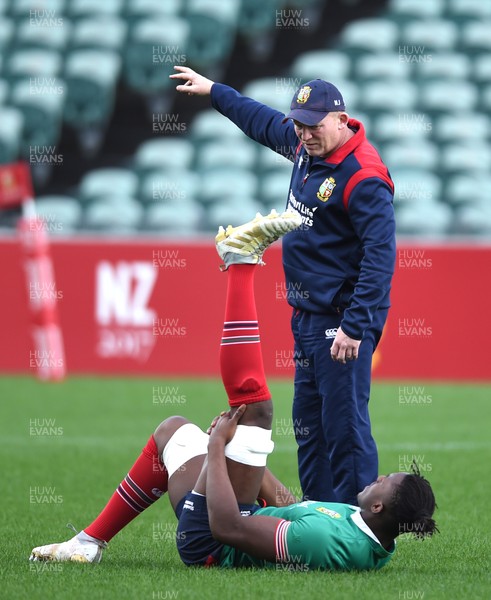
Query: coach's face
{"type": "Point", "coordinates": [326, 136]}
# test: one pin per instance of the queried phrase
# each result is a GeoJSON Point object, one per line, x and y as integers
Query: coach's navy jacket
{"type": "Point", "coordinates": [342, 258]}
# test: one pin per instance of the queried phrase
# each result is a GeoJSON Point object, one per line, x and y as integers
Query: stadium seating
{"type": "Point", "coordinates": [462, 157]}
{"type": "Point", "coordinates": [482, 68]}
{"type": "Point", "coordinates": [136, 9]}
{"type": "Point", "coordinates": [270, 162]}
{"type": "Point", "coordinates": [42, 112]}
{"type": "Point", "coordinates": [382, 65]}
{"type": "Point", "coordinates": [11, 125]}
{"type": "Point", "coordinates": [44, 10]}
{"type": "Point", "coordinates": [414, 186]}
{"type": "Point", "coordinates": [104, 32]}
{"type": "Point", "coordinates": [418, 75]}
{"type": "Point", "coordinates": [155, 45]}
{"type": "Point", "coordinates": [232, 211]}
{"type": "Point", "coordinates": [449, 127]}
{"type": "Point", "coordinates": [256, 25]}
{"type": "Point", "coordinates": [388, 94]}
{"type": "Point", "coordinates": [83, 8]}
{"type": "Point", "coordinates": [485, 102]}
{"type": "Point", "coordinates": [393, 126]}
{"type": "Point", "coordinates": [271, 91]}
{"type": "Point", "coordinates": [62, 213]}
{"type": "Point", "coordinates": [421, 155]}
{"type": "Point", "coordinates": [102, 183]}
{"type": "Point", "coordinates": [210, 124]}
{"type": "Point", "coordinates": [447, 95]}
{"type": "Point", "coordinates": [467, 9]}
{"type": "Point", "coordinates": [421, 38]}
{"type": "Point", "coordinates": [444, 65]}
{"type": "Point", "coordinates": [175, 218]}
{"type": "Point", "coordinates": [471, 187]}
{"type": "Point", "coordinates": [330, 65]}
{"type": "Point", "coordinates": [34, 63]}
{"type": "Point", "coordinates": [4, 91]}
{"type": "Point", "coordinates": [54, 38]}
{"type": "Point", "coordinates": [7, 29]}
{"type": "Point", "coordinates": [206, 49]}
{"type": "Point", "coordinates": [91, 77]}
{"type": "Point", "coordinates": [424, 218]}
{"type": "Point", "coordinates": [118, 213]}
{"type": "Point", "coordinates": [164, 153]}
{"type": "Point", "coordinates": [475, 36]}
{"type": "Point", "coordinates": [415, 9]}
{"type": "Point", "coordinates": [474, 219]}
{"type": "Point", "coordinates": [227, 183]}
{"type": "Point", "coordinates": [222, 152]}
{"type": "Point", "coordinates": [369, 35]}
{"type": "Point", "coordinates": [170, 185]}
{"type": "Point", "coordinates": [274, 189]}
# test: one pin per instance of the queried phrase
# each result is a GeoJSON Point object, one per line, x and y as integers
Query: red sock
{"type": "Point", "coordinates": [241, 359]}
{"type": "Point", "coordinates": [144, 484]}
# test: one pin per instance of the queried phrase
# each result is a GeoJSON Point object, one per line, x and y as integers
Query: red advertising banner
{"type": "Point", "coordinates": [156, 308]}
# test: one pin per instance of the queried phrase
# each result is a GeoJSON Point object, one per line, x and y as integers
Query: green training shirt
{"type": "Point", "coordinates": [316, 535]}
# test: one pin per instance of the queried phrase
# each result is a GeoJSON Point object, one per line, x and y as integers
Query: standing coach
{"type": "Point", "coordinates": [338, 268]}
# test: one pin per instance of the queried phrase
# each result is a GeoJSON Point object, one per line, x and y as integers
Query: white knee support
{"type": "Point", "coordinates": [250, 445]}
{"type": "Point", "coordinates": [186, 443]}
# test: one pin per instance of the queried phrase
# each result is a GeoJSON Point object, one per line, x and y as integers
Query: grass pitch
{"type": "Point", "coordinates": [66, 446]}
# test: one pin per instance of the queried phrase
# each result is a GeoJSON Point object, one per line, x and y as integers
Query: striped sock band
{"type": "Point", "coordinates": [240, 332]}
{"type": "Point", "coordinates": [133, 495]}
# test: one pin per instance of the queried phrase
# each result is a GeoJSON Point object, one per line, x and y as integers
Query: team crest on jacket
{"type": "Point", "coordinates": [326, 189]}
{"type": "Point", "coordinates": [303, 94]}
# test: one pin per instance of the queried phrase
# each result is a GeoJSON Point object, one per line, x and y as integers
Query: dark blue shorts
{"type": "Point", "coordinates": [195, 542]}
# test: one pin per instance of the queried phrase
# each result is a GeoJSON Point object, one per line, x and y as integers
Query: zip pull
{"type": "Point", "coordinates": [309, 165]}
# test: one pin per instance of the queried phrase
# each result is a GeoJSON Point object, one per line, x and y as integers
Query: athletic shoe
{"type": "Point", "coordinates": [246, 244]}
{"type": "Point", "coordinates": [81, 548]}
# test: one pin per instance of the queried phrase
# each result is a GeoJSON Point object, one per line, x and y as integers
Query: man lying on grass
{"type": "Point", "coordinates": [214, 479]}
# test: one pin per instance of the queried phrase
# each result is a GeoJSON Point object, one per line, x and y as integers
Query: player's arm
{"type": "Point", "coordinates": [272, 491]}
{"type": "Point", "coordinates": [254, 535]}
{"type": "Point", "coordinates": [258, 121]}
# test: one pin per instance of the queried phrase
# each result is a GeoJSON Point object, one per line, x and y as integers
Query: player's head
{"type": "Point", "coordinates": [318, 113]}
{"type": "Point", "coordinates": [403, 501]}
{"type": "Point", "coordinates": [413, 504]}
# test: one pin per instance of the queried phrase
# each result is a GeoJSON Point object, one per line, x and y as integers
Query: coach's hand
{"type": "Point", "coordinates": [344, 348]}
{"type": "Point", "coordinates": [194, 82]}
{"type": "Point", "coordinates": [225, 426]}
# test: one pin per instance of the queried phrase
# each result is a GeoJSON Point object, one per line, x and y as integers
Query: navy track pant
{"type": "Point", "coordinates": [337, 455]}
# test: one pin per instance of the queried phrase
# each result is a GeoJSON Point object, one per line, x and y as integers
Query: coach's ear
{"type": "Point", "coordinates": [343, 118]}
